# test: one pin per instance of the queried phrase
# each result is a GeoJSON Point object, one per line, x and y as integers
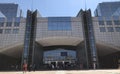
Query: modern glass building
{"type": "Point", "coordinates": [107, 9]}
{"type": "Point", "coordinates": [64, 43]}
{"type": "Point", "coordinates": [10, 10]}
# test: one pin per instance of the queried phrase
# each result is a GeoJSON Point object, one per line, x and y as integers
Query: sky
{"type": "Point", "coordinates": [50, 8]}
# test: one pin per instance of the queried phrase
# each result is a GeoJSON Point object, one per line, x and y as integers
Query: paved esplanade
{"type": "Point", "coordinates": [68, 72]}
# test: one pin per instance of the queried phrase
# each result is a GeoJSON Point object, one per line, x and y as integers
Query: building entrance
{"type": "Point", "coordinates": [60, 59]}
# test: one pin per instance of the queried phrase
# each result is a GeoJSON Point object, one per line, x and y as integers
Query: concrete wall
{"type": "Point", "coordinates": [106, 38]}
{"type": "Point", "coordinates": [11, 38]}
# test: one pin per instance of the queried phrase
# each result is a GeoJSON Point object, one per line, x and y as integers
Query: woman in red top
{"type": "Point", "coordinates": [25, 67]}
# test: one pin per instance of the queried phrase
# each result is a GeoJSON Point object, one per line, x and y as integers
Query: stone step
{"type": "Point", "coordinates": [67, 72]}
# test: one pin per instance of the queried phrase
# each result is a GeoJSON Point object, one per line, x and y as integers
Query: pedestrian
{"type": "Point", "coordinates": [53, 66]}
{"type": "Point", "coordinates": [30, 67]}
{"type": "Point", "coordinates": [25, 67]}
{"type": "Point", "coordinates": [34, 67]}
{"type": "Point", "coordinates": [16, 67]}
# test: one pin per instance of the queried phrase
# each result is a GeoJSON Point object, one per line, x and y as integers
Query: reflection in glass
{"type": "Point", "coordinates": [109, 22]}
{"type": "Point", "coordinates": [1, 24]}
{"type": "Point", "coordinates": [1, 31]}
{"type": "Point", "coordinates": [102, 29]}
{"type": "Point", "coordinates": [15, 31]}
{"type": "Point", "coordinates": [7, 31]}
{"type": "Point", "coordinates": [8, 24]}
{"type": "Point", "coordinates": [59, 55]}
{"type": "Point", "coordinates": [117, 29]}
{"type": "Point", "coordinates": [16, 24]}
{"type": "Point", "coordinates": [116, 22]}
{"type": "Point", "coordinates": [110, 29]}
{"type": "Point", "coordinates": [101, 23]}
{"type": "Point", "coordinates": [56, 23]}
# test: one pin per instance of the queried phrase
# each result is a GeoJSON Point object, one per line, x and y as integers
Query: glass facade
{"type": "Point", "coordinates": [15, 31]}
{"type": "Point", "coordinates": [7, 31]}
{"type": "Point", "coordinates": [117, 29]}
{"type": "Point", "coordinates": [101, 23]}
{"type": "Point", "coordinates": [109, 22]}
{"type": "Point", "coordinates": [110, 29]}
{"type": "Point", "coordinates": [10, 10]}
{"type": "Point", "coordinates": [1, 31]}
{"type": "Point", "coordinates": [102, 29]}
{"type": "Point", "coordinates": [1, 24]}
{"type": "Point", "coordinates": [56, 23]}
{"type": "Point", "coordinates": [117, 22]}
{"type": "Point", "coordinates": [8, 24]}
{"type": "Point", "coordinates": [108, 9]}
{"type": "Point", "coordinates": [17, 22]}
{"type": "Point", "coordinates": [27, 38]}
{"type": "Point", "coordinates": [59, 55]}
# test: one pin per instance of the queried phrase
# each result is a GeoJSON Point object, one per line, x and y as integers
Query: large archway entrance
{"type": "Point", "coordinates": [59, 58]}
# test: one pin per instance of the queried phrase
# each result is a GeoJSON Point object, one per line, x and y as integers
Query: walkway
{"type": "Point", "coordinates": [68, 72]}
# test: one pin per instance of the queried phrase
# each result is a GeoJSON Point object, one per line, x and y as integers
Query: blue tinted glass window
{"type": "Point", "coordinates": [16, 24]}
{"type": "Point", "coordinates": [8, 24]}
{"type": "Point", "coordinates": [2, 19]}
{"type": "Point", "coordinates": [109, 22]}
{"type": "Point", "coordinates": [1, 24]}
{"type": "Point", "coordinates": [110, 29]}
{"type": "Point", "coordinates": [59, 54]}
{"type": "Point", "coordinates": [115, 17]}
{"type": "Point", "coordinates": [59, 23]}
{"type": "Point", "coordinates": [7, 31]}
{"type": "Point", "coordinates": [102, 29]}
{"type": "Point", "coordinates": [1, 31]}
{"type": "Point", "coordinates": [15, 31]}
{"type": "Point", "coordinates": [116, 22]}
{"type": "Point", "coordinates": [117, 29]}
{"type": "Point", "coordinates": [17, 19]}
{"type": "Point", "coordinates": [101, 23]}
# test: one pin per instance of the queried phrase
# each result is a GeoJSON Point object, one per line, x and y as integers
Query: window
{"type": "Point", "coordinates": [62, 23]}
{"type": "Point", "coordinates": [7, 31]}
{"type": "Point", "coordinates": [1, 31]}
{"type": "Point", "coordinates": [9, 24]}
{"type": "Point", "coordinates": [101, 23]}
{"type": "Point", "coordinates": [1, 24]}
{"type": "Point", "coordinates": [59, 54]}
{"type": "Point", "coordinates": [110, 29]}
{"type": "Point", "coordinates": [102, 29]}
{"type": "Point", "coordinates": [116, 22]}
{"type": "Point", "coordinates": [15, 31]}
{"type": "Point", "coordinates": [109, 22]}
{"type": "Point", "coordinates": [16, 24]}
{"type": "Point", "coordinates": [117, 29]}
{"type": "Point", "coordinates": [59, 26]}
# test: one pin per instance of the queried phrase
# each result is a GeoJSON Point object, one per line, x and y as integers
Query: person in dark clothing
{"type": "Point", "coordinates": [34, 67]}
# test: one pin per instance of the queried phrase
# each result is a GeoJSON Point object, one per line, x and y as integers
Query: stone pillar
{"type": "Point", "coordinates": [81, 56]}
{"type": "Point", "coordinates": [38, 55]}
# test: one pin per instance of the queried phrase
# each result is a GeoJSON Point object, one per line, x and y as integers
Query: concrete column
{"type": "Point", "coordinates": [81, 56]}
{"type": "Point", "coordinates": [38, 55]}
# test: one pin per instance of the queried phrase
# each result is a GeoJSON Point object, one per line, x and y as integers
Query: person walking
{"type": "Point", "coordinates": [34, 67]}
{"type": "Point", "coordinates": [25, 67]}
